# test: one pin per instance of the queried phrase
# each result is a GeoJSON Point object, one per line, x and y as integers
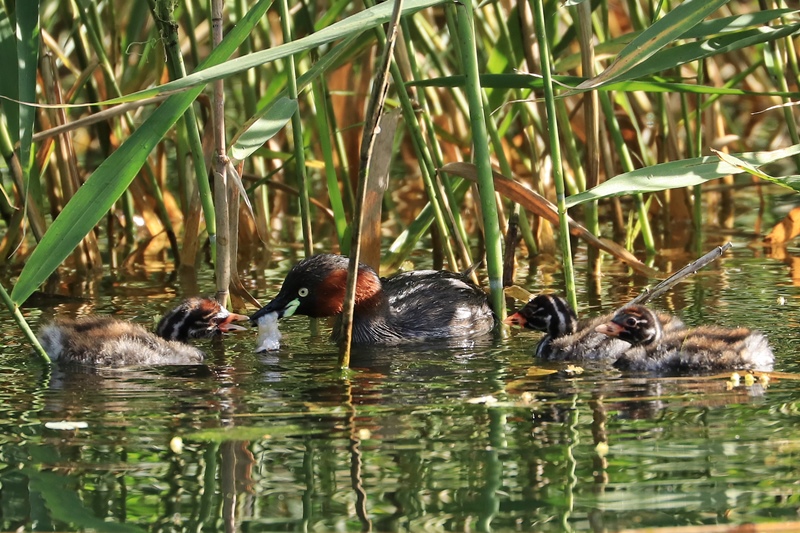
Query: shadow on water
{"type": "Point", "coordinates": [478, 436]}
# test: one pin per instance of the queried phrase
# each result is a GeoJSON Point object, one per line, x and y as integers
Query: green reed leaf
{"type": "Point", "coordinates": [115, 174]}
{"type": "Point", "coordinates": [264, 128]}
{"type": "Point", "coordinates": [664, 31]}
{"type": "Point", "coordinates": [687, 53]}
{"type": "Point", "coordinates": [9, 81]}
{"type": "Point", "coordinates": [528, 81]}
{"type": "Point", "coordinates": [27, 60]}
{"type": "Point", "coordinates": [355, 24]}
{"type": "Point", "coordinates": [685, 173]}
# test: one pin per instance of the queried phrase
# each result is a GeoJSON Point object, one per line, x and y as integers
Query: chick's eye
{"type": "Point", "coordinates": [630, 322]}
{"type": "Point", "coordinates": [303, 292]}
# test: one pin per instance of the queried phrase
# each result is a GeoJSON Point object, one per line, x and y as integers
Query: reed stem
{"type": "Point", "coordinates": [89, 16]}
{"type": "Point", "coordinates": [465, 26]}
{"type": "Point", "coordinates": [326, 147]}
{"type": "Point", "coordinates": [163, 17]}
{"type": "Point", "coordinates": [555, 153]}
{"type": "Point", "coordinates": [35, 218]}
{"type": "Point", "coordinates": [374, 110]}
{"type": "Point", "coordinates": [222, 267]}
{"type": "Point", "coordinates": [23, 325]}
{"type": "Point", "coordinates": [427, 168]}
{"type": "Point", "coordinates": [697, 190]}
{"type": "Point", "coordinates": [449, 203]}
{"type": "Point", "coordinates": [297, 135]}
{"type": "Point", "coordinates": [627, 166]}
{"type": "Point", "coordinates": [591, 114]}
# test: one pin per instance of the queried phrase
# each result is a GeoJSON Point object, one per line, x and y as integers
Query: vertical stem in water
{"type": "Point", "coordinates": [592, 120]}
{"type": "Point", "coordinates": [426, 159]}
{"type": "Point", "coordinates": [35, 219]}
{"type": "Point", "coordinates": [297, 134]}
{"type": "Point", "coordinates": [432, 158]}
{"type": "Point", "coordinates": [374, 109]}
{"type": "Point", "coordinates": [168, 27]}
{"type": "Point", "coordinates": [494, 244]}
{"type": "Point", "coordinates": [627, 166]}
{"type": "Point", "coordinates": [326, 147]}
{"type": "Point", "coordinates": [162, 14]}
{"type": "Point", "coordinates": [555, 151]}
{"type": "Point", "coordinates": [223, 265]}
{"type": "Point", "coordinates": [697, 191]}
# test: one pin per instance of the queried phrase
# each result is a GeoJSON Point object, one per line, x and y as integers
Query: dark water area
{"type": "Point", "coordinates": [476, 437]}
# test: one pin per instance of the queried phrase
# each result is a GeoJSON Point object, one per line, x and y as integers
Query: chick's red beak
{"type": "Point", "coordinates": [516, 319]}
{"type": "Point", "coordinates": [226, 324]}
{"type": "Point", "coordinates": [612, 329]}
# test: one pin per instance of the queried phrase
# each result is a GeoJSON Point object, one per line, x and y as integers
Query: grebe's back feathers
{"type": "Point", "coordinates": [422, 305]}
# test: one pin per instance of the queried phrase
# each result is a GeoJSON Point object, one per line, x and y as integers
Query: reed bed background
{"type": "Point", "coordinates": [184, 128]}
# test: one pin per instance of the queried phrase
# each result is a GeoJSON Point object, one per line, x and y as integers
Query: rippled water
{"type": "Point", "coordinates": [463, 439]}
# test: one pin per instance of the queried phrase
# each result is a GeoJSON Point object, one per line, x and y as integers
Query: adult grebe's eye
{"type": "Point", "coordinates": [303, 292]}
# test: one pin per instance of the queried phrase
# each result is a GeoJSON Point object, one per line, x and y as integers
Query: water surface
{"type": "Point", "coordinates": [470, 438]}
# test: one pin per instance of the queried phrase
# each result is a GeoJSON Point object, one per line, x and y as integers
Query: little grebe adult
{"type": "Point", "coordinates": [568, 338]}
{"type": "Point", "coordinates": [705, 348]}
{"type": "Point", "coordinates": [421, 305]}
{"type": "Point", "coordinates": [109, 342]}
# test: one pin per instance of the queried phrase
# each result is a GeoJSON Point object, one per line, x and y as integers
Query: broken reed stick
{"type": "Point", "coordinates": [689, 269]}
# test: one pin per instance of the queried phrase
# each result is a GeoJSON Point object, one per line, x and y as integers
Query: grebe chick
{"type": "Point", "coordinates": [569, 339]}
{"type": "Point", "coordinates": [108, 342]}
{"type": "Point", "coordinates": [705, 348]}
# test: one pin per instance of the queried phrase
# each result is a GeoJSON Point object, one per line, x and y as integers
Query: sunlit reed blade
{"type": "Point", "coordinates": [377, 100]}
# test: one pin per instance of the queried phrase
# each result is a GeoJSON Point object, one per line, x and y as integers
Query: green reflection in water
{"type": "Point", "coordinates": [282, 442]}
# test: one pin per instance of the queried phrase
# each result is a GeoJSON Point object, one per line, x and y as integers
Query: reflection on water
{"type": "Point", "coordinates": [458, 438]}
